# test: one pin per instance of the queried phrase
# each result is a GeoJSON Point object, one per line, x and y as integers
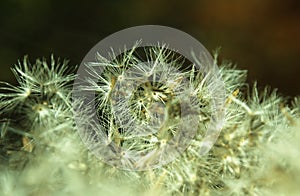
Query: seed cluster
{"type": "Point", "coordinates": [153, 112]}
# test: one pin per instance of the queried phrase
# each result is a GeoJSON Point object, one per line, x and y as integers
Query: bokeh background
{"type": "Point", "coordinates": [262, 36]}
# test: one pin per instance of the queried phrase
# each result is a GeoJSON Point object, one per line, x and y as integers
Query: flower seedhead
{"type": "Point", "coordinates": [154, 100]}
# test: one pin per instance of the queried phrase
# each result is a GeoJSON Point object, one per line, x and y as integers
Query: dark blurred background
{"type": "Point", "coordinates": [262, 36]}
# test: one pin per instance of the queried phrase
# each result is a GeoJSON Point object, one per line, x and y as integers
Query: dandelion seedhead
{"type": "Point", "coordinates": [33, 112]}
{"type": "Point", "coordinates": [150, 103]}
{"type": "Point", "coordinates": [149, 116]}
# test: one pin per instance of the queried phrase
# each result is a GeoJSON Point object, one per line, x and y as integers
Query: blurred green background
{"type": "Point", "coordinates": [262, 36]}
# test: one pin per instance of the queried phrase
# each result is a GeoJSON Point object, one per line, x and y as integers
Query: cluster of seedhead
{"type": "Point", "coordinates": [153, 110]}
